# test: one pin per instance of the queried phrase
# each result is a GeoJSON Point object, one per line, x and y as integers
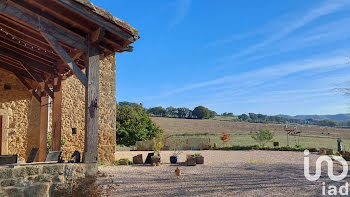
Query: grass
{"type": "Point", "coordinates": [240, 132]}
{"type": "Point", "coordinates": [246, 140]}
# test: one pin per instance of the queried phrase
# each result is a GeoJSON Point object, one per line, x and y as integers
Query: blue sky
{"type": "Point", "coordinates": [270, 57]}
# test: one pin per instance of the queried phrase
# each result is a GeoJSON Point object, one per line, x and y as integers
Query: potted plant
{"type": "Point", "coordinates": [157, 145]}
{"type": "Point", "coordinates": [175, 144]}
{"type": "Point", "coordinates": [199, 158]}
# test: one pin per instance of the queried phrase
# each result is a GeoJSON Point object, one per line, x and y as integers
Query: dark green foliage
{"type": "Point", "coordinates": [201, 112]}
{"type": "Point", "coordinates": [227, 114]}
{"type": "Point", "coordinates": [117, 162]}
{"type": "Point", "coordinates": [157, 111]}
{"type": "Point", "coordinates": [183, 112]}
{"type": "Point", "coordinates": [171, 111]}
{"type": "Point", "coordinates": [243, 117]}
{"type": "Point", "coordinates": [134, 124]}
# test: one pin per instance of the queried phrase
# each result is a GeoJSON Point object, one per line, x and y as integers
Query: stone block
{"type": "Point", "coordinates": [191, 162]}
{"type": "Point", "coordinates": [19, 172]}
{"type": "Point", "coordinates": [137, 159]}
{"type": "Point", "coordinates": [5, 173]}
{"type": "Point", "coordinates": [38, 190]}
{"type": "Point", "coordinates": [53, 169]}
{"type": "Point", "coordinates": [32, 170]}
{"type": "Point", "coordinates": [43, 178]}
{"type": "Point", "coordinates": [8, 182]}
{"type": "Point", "coordinates": [58, 179]}
{"type": "Point", "coordinates": [13, 192]}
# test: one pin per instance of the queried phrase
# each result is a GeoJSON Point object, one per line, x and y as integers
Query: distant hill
{"type": "Point", "coordinates": [336, 117]}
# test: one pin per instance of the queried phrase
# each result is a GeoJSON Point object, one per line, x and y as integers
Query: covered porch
{"type": "Point", "coordinates": [44, 43]}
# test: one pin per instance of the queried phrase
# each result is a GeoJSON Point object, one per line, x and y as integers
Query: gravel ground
{"type": "Point", "coordinates": [225, 173]}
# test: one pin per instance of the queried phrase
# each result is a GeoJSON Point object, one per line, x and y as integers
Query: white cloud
{"type": "Point", "coordinates": [182, 9]}
{"type": "Point", "coordinates": [326, 8]}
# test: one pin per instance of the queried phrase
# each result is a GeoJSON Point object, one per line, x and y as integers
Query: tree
{"type": "Point", "coordinates": [262, 118]}
{"type": "Point", "coordinates": [171, 111]}
{"type": "Point", "coordinates": [201, 112]}
{"type": "Point", "coordinates": [227, 114]}
{"type": "Point", "coordinates": [212, 114]}
{"type": "Point", "coordinates": [183, 112]}
{"type": "Point", "coordinates": [134, 124]}
{"type": "Point", "coordinates": [262, 137]}
{"type": "Point", "coordinates": [125, 103]}
{"type": "Point", "coordinates": [253, 116]}
{"type": "Point", "coordinates": [157, 111]}
{"type": "Point", "coordinates": [243, 117]}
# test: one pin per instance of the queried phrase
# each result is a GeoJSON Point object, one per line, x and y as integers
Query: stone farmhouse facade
{"type": "Point", "coordinates": [19, 113]}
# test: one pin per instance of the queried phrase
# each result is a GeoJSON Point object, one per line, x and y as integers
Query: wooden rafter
{"type": "Point", "coordinates": [96, 36]}
{"type": "Point", "coordinates": [38, 79]}
{"type": "Point", "coordinates": [29, 87]}
{"type": "Point", "coordinates": [38, 23]}
{"type": "Point", "coordinates": [65, 58]}
{"type": "Point", "coordinates": [26, 60]}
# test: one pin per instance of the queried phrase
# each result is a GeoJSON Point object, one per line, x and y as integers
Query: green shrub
{"type": "Point", "coordinates": [134, 124]}
{"type": "Point", "coordinates": [262, 137]}
{"type": "Point", "coordinates": [117, 162]}
{"type": "Point", "coordinates": [102, 163]}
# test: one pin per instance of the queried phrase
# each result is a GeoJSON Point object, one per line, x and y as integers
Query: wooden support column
{"type": "Point", "coordinates": [44, 106]}
{"type": "Point", "coordinates": [57, 115]}
{"type": "Point", "coordinates": [91, 104]}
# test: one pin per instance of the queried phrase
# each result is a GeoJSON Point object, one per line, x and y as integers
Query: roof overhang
{"type": "Point", "coordinates": [73, 24]}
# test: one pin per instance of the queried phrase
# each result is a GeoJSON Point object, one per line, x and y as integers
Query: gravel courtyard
{"type": "Point", "coordinates": [225, 173]}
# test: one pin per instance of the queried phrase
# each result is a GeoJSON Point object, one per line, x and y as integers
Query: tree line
{"type": "Point", "coordinates": [199, 112]}
{"type": "Point", "coordinates": [261, 118]}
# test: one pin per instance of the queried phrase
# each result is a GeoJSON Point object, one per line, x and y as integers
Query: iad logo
{"type": "Point", "coordinates": [329, 164]}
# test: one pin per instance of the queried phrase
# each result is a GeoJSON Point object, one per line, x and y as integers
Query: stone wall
{"type": "Point", "coordinates": [73, 114]}
{"type": "Point", "coordinates": [22, 112]}
{"type": "Point", "coordinates": [42, 179]}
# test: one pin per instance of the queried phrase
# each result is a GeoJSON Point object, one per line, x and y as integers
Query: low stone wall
{"type": "Point", "coordinates": [42, 179]}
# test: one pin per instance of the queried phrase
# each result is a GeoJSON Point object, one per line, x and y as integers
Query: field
{"type": "Point", "coordinates": [240, 132]}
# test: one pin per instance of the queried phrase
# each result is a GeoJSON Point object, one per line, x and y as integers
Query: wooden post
{"type": "Point", "coordinates": [57, 115]}
{"type": "Point", "coordinates": [44, 106]}
{"type": "Point", "coordinates": [91, 104]}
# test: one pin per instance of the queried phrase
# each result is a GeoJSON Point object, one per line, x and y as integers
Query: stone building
{"type": "Point", "coordinates": [45, 49]}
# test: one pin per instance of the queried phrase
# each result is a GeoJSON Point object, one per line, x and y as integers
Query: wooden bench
{"type": "Point", "coordinates": [8, 159]}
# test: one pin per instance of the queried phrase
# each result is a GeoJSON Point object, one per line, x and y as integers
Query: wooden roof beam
{"type": "Point", "coordinates": [66, 58]}
{"type": "Point", "coordinates": [96, 37]}
{"type": "Point", "coordinates": [10, 68]}
{"type": "Point", "coordinates": [42, 25]}
{"type": "Point", "coordinates": [29, 87]}
{"type": "Point", "coordinates": [38, 79]}
{"type": "Point", "coordinates": [97, 19]}
{"type": "Point", "coordinates": [27, 61]}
